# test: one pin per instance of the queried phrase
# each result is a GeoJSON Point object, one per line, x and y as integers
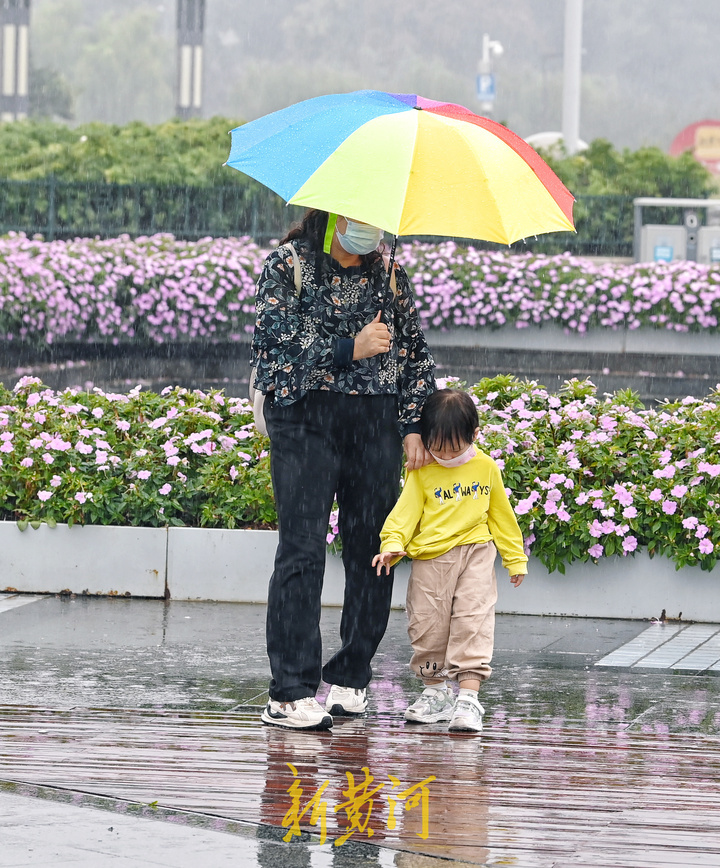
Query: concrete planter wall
{"type": "Point", "coordinates": [235, 566]}
{"type": "Point", "coordinates": [116, 561]}
{"type": "Point", "coordinates": [617, 587]}
{"type": "Point", "coordinates": [551, 337]}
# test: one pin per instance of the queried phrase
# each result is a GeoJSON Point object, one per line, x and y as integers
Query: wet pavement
{"type": "Point", "coordinates": [129, 735]}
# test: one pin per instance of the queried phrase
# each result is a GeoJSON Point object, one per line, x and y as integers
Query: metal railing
{"type": "Point", "coordinates": [58, 209]}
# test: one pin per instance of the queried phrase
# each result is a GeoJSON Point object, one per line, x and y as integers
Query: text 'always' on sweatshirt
{"type": "Point", "coordinates": [442, 507]}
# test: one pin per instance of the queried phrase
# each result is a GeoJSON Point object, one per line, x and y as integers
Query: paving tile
{"type": "Point", "coordinates": [667, 655]}
{"type": "Point", "coordinates": [633, 651]}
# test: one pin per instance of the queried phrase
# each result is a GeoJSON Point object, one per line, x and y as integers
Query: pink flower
{"type": "Point", "coordinates": [679, 491]}
{"type": "Point", "coordinates": [47, 458]}
{"type": "Point", "coordinates": [26, 462]}
{"type": "Point", "coordinates": [44, 495]}
{"type": "Point", "coordinates": [596, 551]}
{"type": "Point", "coordinates": [563, 514]}
{"type": "Point", "coordinates": [123, 425]}
{"type": "Point", "coordinates": [629, 544]}
{"type": "Point", "coordinates": [622, 495]}
{"type": "Point", "coordinates": [701, 531]}
{"type": "Point", "coordinates": [711, 469]}
{"type": "Point", "coordinates": [595, 529]}
{"type": "Point", "coordinates": [655, 495]}
{"type": "Point", "coordinates": [82, 496]}
{"type": "Point", "coordinates": [144, 474]}
{"type": "Point", "coordinates": [173, 460]}
{"type": "Point", "coordinates": [669, 507]}
{"type": "Point", "coordinates": [630, 512]}
{"type": "Point", "coordinates": [166, 489]}
{"type": "Point", "coordinates": [705, 546]}
{"type": "Point", "coordinates": [690, 522]}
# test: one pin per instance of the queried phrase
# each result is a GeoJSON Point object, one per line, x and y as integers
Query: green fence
{"type": "Point", "coordinates": [61, 209]}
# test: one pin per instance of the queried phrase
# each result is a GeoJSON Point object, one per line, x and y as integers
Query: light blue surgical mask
{"type": "Point", "coordinates": [360, 238]}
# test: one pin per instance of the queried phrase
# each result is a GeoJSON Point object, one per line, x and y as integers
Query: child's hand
{"type": "Point", "coordinates": [383, 560]}
{"type": "Point", "coordinates": [517, 580]}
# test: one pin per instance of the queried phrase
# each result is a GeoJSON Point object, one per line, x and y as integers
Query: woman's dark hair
{"type": "Point", "coordinates": [312, 229]}
{"type": "Point", "coordinates": [449, 418]}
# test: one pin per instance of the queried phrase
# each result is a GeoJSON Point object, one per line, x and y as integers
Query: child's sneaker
{"type": "Point", "coordinates": [346, 701]}
{"type": "Point", "coordinates": [301, 714]}
{"type": "Point", "coordinates": [468, 715]}
{"type": "Point", "coordinates": [433, 705]}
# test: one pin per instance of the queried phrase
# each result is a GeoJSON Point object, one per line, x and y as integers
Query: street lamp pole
{"type": "Point", "coordinates": [14, 59]}
{"type": "Point", "coordinates": [190, 25]}
{"type": "Point", "coordinates": [485, 76]}
{"type": "Point", "coordinates": [571, 75]}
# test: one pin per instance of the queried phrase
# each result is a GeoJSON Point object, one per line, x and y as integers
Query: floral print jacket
{"type": "Point", "coordinates": [306, 342]}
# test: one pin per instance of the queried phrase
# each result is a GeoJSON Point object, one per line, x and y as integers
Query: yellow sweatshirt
{"type": "Point", "coordinates": [442, 507]}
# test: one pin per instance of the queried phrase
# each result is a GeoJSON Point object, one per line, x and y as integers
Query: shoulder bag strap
{"type": "Point", "coordinates": [297, 268]}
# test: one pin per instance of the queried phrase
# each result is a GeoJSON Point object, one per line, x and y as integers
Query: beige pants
{"type": "Point", "coordinates": [451, 613]}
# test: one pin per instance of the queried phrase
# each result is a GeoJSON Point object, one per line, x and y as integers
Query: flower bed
{"type": "Point", "coordinates": [159, 289]}
{"type": "Point", "coordinates": [593, 478]}
{"type": "Point", "coordinates": [178, 458]}
{"type": "Point", "coordinates": [589, 478]}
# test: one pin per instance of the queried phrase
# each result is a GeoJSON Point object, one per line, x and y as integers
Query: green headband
{"type": "Point", "coordinates": [329, 232]}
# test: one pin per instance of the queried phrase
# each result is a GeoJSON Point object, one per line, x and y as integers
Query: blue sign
{"type": "Point", "coordinates": [663, 253]}
{"type": "Point", "coordinates": [485, 85]}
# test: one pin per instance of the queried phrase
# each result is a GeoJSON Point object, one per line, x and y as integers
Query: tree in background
{"type": "Point", "coordinates": [602, 170]}
{"type": "Point", "coordinates": [119, 66]}
{"type": "Point", "coordinates": [50, 95]}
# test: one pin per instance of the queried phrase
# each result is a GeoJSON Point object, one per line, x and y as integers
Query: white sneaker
{"type": "Point", "coordinates": [301, 714]}
{"type": "Point", "coordinates": [346, 701]}
{"type": "Point", "coordinates": [468, 715]}
{"type": "Point", "coordinates": [433, 705]}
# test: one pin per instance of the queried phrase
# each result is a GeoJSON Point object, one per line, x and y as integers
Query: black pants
{"type": "Point", "coordinates": [329, 444]}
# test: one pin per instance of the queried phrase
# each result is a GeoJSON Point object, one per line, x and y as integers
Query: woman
{"type": "Point", "coordinates": [345, 369]}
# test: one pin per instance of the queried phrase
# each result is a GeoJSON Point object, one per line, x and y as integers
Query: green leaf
{"type": "Point", "coordinates": [23, 524]}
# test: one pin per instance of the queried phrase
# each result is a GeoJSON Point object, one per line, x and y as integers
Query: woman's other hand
{"type": "Point", "coordinates": [372, 340]}
{"type": "Point", "coordinates": [416, 455]}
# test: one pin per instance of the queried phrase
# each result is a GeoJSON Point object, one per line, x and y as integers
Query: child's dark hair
{"type": "Point", "coordinates": [449, 418]}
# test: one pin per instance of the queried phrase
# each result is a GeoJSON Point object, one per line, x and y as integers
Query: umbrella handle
{"type": "Point", "coordinates": [390, 284]}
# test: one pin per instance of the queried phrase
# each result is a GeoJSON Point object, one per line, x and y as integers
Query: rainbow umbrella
{"type": "Point", "coordinates": [409, 165]}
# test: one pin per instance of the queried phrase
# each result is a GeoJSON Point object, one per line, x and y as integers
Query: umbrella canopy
{"type": "Point", "coordinates": [409, 165]}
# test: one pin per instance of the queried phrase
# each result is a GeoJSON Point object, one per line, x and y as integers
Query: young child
{"type": "Point", "coordinates": [450, 516]}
